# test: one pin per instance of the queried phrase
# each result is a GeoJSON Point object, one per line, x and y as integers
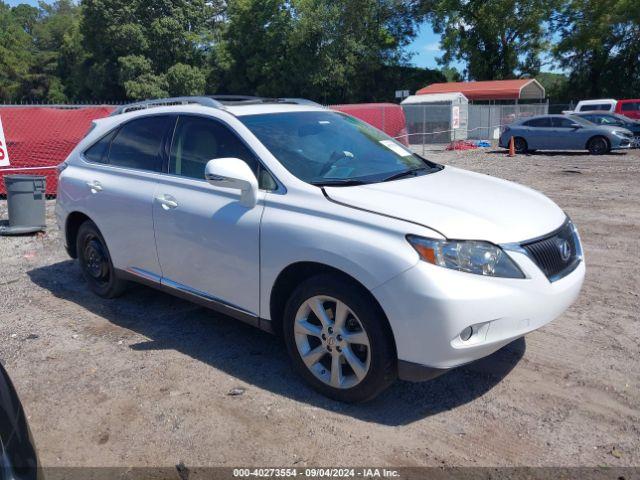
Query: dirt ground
{"type": "Point", "coordinates": [144, 380]}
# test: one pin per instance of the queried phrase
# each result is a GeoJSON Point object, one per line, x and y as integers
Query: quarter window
{"type": "Point", "coordinates": [99, 152]}
{"type": "Point", "coordinates": [137, 144]}
{"type": "Point", "coordinates": [198, 140]}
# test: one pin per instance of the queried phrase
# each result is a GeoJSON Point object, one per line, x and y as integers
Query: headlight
{"type": "Point", "coordinates": [620, 133]}
{"type": "Point", "coordinates": [481, 258]}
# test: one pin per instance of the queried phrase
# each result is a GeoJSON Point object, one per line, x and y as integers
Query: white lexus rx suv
{"type": "Point", "coordinates": [370, 261]}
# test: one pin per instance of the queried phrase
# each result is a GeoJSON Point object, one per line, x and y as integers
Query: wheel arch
{"type": "Point", "coordinates": [526, 142]}
{"type": "Point", "coordinates": [598, 135]}
{"type": "Point", "coordinates": [294, 274]}
{"type": "Point", "coordinates": [72, 225]}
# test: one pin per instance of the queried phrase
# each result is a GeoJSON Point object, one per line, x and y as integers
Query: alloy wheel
{"type": "Point", "coordinates": [598, 146]}
{"type": "Point", "coordinates": [332, 342]}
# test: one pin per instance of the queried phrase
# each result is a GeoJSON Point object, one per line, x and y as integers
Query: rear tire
{"type": "Point", "coordinates": [598, 146]}
{"type": "Point", "coordinates": [520, 145]}
{"type": "Point", "coordinates": [95, 262]}
{"type": "Point", "coordinates": [349, 353]}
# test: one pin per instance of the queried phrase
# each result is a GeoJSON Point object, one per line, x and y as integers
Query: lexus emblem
{"type": "Point", "coordinates": [565, 250]}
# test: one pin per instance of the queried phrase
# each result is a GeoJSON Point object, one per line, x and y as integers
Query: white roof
{"type": "Point", "coordinates": [255, 109]}
{"type": "Point", "coordinates": [433, 97]}
{"type": "Point", "coordinates": [595, 102]}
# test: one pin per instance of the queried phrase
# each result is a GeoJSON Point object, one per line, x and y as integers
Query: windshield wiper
{"type": "Point", "coordinates": [412, 172]}
{"type": "Point", "coordinates": [338, 182]}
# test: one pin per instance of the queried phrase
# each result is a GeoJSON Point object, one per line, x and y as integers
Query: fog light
{"type": "Point", "coordinates": [466, 334]}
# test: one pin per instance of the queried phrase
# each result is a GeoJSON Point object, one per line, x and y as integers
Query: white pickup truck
{"type": "Point", "coordinates": [601, 105]}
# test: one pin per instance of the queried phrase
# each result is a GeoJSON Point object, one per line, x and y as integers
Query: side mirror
{"type": "Point", "coordinates": [236, 174]}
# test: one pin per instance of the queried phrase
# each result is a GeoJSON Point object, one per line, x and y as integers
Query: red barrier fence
{"type": "Point", "coordinates": [387, 117]}
{"type": "Point", "coordinates": [39, 138]}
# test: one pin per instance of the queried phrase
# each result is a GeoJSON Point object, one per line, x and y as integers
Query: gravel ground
{"type": "Point", "coordinates": [144, 380]}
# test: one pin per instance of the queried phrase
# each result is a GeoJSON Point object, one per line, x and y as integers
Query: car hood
{"type": "Point", "coordinates": [612, 128]}
{"type": "Point", "coordinates": [460, 205]}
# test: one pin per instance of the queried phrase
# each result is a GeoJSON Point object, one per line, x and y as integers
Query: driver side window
{"type": "Point", "coordinates": [197, 140]}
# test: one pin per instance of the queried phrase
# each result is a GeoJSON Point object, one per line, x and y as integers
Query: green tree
{"type": "Point", "coordinates": [497, 39]}
{"type": "Point", "coordinates": [345, 45]}
{"type": "Point", "coordinates": [555, 85]}
{"type": "Point", "coordinates": [600, 46]}
{"type": "Point", "coordinates": [255, 55]}
{"type": "Point", "coordinates": [148, 37]}
{"type": "Point", "coordinates": [15, 53]}
{"type": "Point", "coordinates": [51, 66]}
{"type": "Point", "coordinates": [185, 80]}
{"type": "Point", "coordinates": [328, 50]}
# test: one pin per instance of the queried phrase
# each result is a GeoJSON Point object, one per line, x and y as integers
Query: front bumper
{"type": "Point", "coordinates": [620, 143]}
{"type": "Point", "coordinates": [429, 306]}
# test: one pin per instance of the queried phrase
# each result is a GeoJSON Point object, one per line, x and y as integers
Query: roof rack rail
{"type": "Point", "coordinates": [167, 102]}
{"type": "Point", "coordinates": [254, 100]}
{"type": "Point", "coordinates": [213, 101]}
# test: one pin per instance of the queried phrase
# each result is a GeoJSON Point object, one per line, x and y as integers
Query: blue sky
{"type": "Point", "coordinates": [426, 48]}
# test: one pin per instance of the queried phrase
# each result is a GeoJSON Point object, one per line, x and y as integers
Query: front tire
{"type": "Point", "coordinates": [598, 146]}
{"type": "Point", "coordinates": [95, 262]}
{"type": "Point", "coordinates": [338, 339]}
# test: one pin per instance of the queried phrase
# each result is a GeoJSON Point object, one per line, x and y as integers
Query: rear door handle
{"type": "Point", "coordinates": [167, 202]}
{"type": "Point", "coordinates": [95, 186]}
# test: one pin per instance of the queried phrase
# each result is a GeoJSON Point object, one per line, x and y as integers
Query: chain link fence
{"type": "Point", "coordinates": [36, 139]}
{"type": "Point", "coordinates": [426, 126]}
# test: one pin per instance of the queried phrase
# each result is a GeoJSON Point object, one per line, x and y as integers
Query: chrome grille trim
{"type": "Point", "coordinates": [546, 252]}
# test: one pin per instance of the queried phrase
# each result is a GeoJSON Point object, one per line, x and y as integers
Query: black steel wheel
{"type": "Point", "coordinates": [95, 262]}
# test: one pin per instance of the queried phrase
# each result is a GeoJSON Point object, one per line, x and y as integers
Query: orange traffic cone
{"type": "Point", "coordinates": [512, 147]}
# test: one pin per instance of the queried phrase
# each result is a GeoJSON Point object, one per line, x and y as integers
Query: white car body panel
{"type": "Point", "coordinates": [366, 246]}
{"type": "Point", "coordinates": [437, 304]}
{"type": "Point", "coordinates": [218, 237]}
{"type": "Point", "coordinates": [216, 248]}
{"type": "Point", "coordinates": [130, 237]}
{"type": "Point", "coordinates": [460, 205]}
{"type": "Point", "coordinates": [586, 105]}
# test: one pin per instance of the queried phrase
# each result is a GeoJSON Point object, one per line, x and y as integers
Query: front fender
{"type": "Point", "coordinates": [368, 247]}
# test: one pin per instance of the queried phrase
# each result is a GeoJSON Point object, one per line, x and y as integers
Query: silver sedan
{"type": "Point", "coordinates": [562, 132]}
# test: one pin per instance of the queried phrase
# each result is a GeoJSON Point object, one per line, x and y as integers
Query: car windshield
{"type": "Point", "coordinates": [329, 148]}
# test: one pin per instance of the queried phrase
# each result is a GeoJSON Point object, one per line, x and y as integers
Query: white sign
{"type": "Point", "coordinates": [4, 151]}
{"type": "Point", "coordinates": [402, 94]}
{"type": "Point", "coordinates": [455, 113]}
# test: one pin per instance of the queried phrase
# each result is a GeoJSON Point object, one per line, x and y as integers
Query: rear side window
{"type": "Point", "coordinates": [609, 120]}
{"type": "Point", "coordinates": [198, 140]}
{"type": "Point", "coordinates": [137, 144]}
{"type": "Point", "coordinates": [538, 123]}
{"type": "Point", "coordinates": [559, 122]}
{"type": "Point", "coordinates": [593, 119]}
{"type": "Point", "coordinates": [99, 152]}
{"type": "Point", "coordinates": [631, 107]}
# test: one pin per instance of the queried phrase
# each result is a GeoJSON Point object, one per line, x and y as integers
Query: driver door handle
{"type": "Point", "coordinates": [95, 186]}
{"type": "Point", "coordinates": [167, 202]}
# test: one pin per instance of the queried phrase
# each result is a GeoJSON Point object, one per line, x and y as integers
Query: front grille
{"type": "Point", "coordinates": [558, 253]}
